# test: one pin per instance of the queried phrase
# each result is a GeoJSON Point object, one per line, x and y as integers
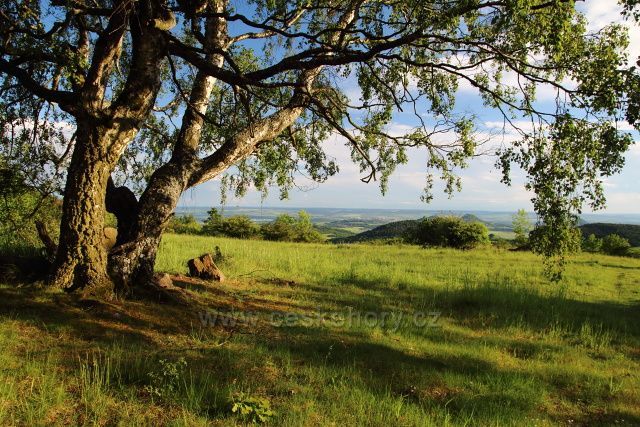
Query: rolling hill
{"type": "Point", "coordinates": [391, 230]}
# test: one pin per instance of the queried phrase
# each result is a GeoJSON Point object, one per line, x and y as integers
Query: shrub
{"type": "Point", "coordinates": [290, 229]}
{"type": "Point", "coordinates": [615, 245]}
{"type": "Point", "coordinates": [450, 231]}
{"type": "Point", "coordinates": [281, 229]}
{"type": "Point", "coordinates": [633, 253]}
{"type": "Point", "coordinates": [592, 244]}
{"type": "Point", "coordinates": [304, 229]}
{"type": "Point", "coordinates": [166, 378]}
{"type": "Point", "coordinates": [239, 226]}
{"type": "Point", "coordinates": [185, 224]}
{"type": "Point", "coordinates": [20, 207]}
{"type": "Point", "coordinates": [500, 242]}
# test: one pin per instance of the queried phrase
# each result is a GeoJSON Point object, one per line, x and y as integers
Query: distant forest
{"type": "Point", "coordinates": [600, 230]}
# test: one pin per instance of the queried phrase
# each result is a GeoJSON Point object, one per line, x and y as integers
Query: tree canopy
{"type": "Point", "coordinates": [137, 101]}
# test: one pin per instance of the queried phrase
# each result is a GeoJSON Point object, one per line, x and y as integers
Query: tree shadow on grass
{"type": "Point", "coordinates": [420, 378]}
{"type": "Point", "coordinates": [89, 320]}
{"type": "Point", "coordinates": [482, 390]}
{"type": "Point", "coordinates": [490, 304]}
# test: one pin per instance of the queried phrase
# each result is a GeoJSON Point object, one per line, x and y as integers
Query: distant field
{"type": "Point", "coordinates": [507, 347]}
{"type": "Point", "coordinates": [503, 234]}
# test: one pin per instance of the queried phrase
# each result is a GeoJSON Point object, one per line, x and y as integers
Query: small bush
{"type": "Point", "coordinates": [633, 253]}
{"type": "Point", "coordinates": [286, 228]}
{"type": "Point", "coordinates": [185, 224]}
{"type": "Point", "coordinates": [252, 409]}
{"type": "Point", "coordinates": [165, 380]}
{"type": "Point", "coordinates": [238, 226]}
{"type": "Point", "coordinates": [592, 244]}
{"type": "Point", "coordinates": [501, 243]}
{"type": "Point", "coordinates": [281, 229]}
{"type": "Point", "coordinates": [615, 245]}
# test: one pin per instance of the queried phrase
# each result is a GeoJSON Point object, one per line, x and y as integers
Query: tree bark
{"type": "Point", "coordinates": [80, 258]}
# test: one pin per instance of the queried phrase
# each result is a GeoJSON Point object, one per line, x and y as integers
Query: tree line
{"type": "Point", "coordinates": [284, 228]}
{"type": "Point", "coordinates": [607, 241]}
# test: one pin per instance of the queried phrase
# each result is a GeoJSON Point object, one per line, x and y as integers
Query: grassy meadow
{"type": "Point", "coordinates": [306, 335]}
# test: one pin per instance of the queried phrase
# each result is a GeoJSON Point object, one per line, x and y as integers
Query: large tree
{"type": "Point", "coordinates": [163, 96]}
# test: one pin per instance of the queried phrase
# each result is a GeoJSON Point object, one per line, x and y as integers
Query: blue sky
{"type": "Point", "coordinates": [482, 189]}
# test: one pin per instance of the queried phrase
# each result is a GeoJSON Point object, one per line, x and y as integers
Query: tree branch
{"type": "Point", "coordinates": [66, 100]}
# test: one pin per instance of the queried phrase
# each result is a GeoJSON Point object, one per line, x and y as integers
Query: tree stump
{"type": "Point", "coordinates": [203, 267]}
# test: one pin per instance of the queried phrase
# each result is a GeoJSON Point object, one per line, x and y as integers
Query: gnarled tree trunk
{"type": "Point", "coordinates": [132, 261]}
{"type": "Point", "coordinates": [80, 258]}
{"type": "Point", "coordinates": [103, 131]}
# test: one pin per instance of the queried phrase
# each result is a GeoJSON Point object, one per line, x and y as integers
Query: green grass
{"type": "Point", "coordinates": [508, 347]}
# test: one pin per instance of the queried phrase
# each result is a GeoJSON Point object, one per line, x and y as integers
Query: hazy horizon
{"type": "Point", "coordinates": [385, 215]}
{"type": "Point", "coordinates": [426, 209]}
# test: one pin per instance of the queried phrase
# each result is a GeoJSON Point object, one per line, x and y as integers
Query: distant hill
{"type": "Point", "coordinates": [471, 218]}
{"type": "Point", "coordinates": [356, 223]}
{"type": "Point", "coordinates": [387, 231]}
{"type": "Point", "coordinates": [393, 230]}
{"type": "Point", "coordinates": [601, 229]}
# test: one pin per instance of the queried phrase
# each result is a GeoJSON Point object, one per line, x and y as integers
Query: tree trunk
{"type": "Point", "coordinates": [132, 262]}
{"type": "Point", "coordinates": [80, 258]}
{"type": "Point", "coordinates": [103, 131]}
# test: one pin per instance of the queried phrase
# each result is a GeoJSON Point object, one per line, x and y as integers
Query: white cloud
{"type": "Point", "coordinates": [623, 202]}
{"type": "Point", "coordinates": [601, 13]}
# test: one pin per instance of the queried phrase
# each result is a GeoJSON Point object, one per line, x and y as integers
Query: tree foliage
{"type": "Point", "coordinates": [592, 244]}
{"type": "Point", "coordinates": [20, 206]}
{"type": "Point", "coordinates": [521, 227]}
{"type": "Point", "coordinates": [615, 245]}
{"type": "Point", "coordinates": [555, 240]}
